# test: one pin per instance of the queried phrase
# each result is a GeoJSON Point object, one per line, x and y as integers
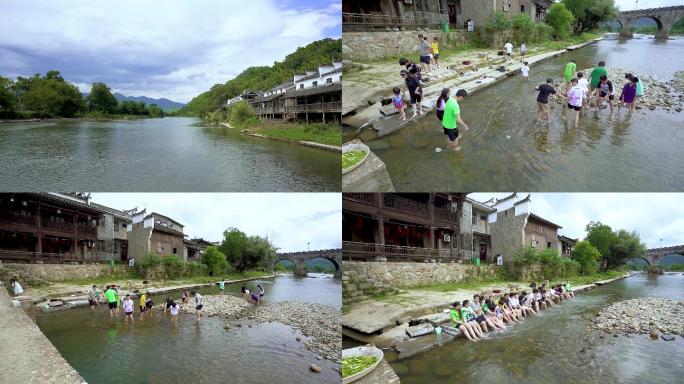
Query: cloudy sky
{"type": "Point", "coordinates": [654, 216]}
{"type": "Point", "coordinates": [289, 219]}
{"type": "Point", "coordinates": [155, 48]}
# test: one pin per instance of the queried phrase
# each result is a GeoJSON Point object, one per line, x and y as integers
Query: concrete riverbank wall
{"type": "Point", "coordinates": [375, 45]}
{"type": "Point", "coordinates": [27, 354]}
{"type": "Point", "coordinates": [61, 272]}
{"type": "Point", "coordinates": [361, 280]}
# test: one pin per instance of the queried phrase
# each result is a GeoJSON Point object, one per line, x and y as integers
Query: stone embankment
{"type": "Point", "coordinates": [27, 355]}
{"type": "Point", "coordinates": [317, 322]}
{"type": "Point", "coordinates": [645, 315]}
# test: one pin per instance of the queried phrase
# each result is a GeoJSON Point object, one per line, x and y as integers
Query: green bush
{"type": "Point", "coordinates": [523, 28]}
{"type": "Point", "coordinates": [174, 267]}
{"type": "Point", "coordinates": [150, 260]}
{"type": "Point", "coordinates": [525, 255]}
{"type": "Point", "coordinates": [560, 18]}
{"type": "Point", "coordinates": [587, 256]}
{"type": "Point", "coordinates": [215, 261]}
{"type": "Point", "coordinates": [241, 114]}
{"type": "Point", "coordinates": [195, 268]}
{"type": "Point", "coordinates": [497, 22]}
{"type": "Point", "coordinates": [543, 31]}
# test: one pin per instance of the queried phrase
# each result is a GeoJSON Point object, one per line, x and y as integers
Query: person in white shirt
{"type": "Point", "coordinates": [508, 47]}
{"type": "Point", "coordinates": [525, 70]}
{"type": "Point", "coordinates": [575, 100]}
{"type": "Point", "coordinates": [198, 304]}
{"type": "Point", "coordinates": [523, 51]}
{"type": "Point", "coordinates": [128, 309]}
{"type": "Point", "coordinates": [175, 309]}
{"type": "Point", "coordinates": [583, 83]}
{"type": "Point", "coordinates": [18, 290]}
{"type": "Point", "coordinates": [530, 301]}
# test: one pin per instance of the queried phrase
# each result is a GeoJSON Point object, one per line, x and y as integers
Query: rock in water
{"type": "Point", "coordinates": [314, 368]}
{"type": "Point", "coordinates": [226, 327]}
{"type": "Point", "coordinates": [667, 337]}
{"type": "Point", "coordinates": [654, 335]}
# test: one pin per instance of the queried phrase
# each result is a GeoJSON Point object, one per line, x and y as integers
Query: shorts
{"type": "Point", "coordinates": [542, 107]}
{"type": "Point", "coordinates": [436, 56]}
{"type": "Point", "coordinates": [480, 318]}
{"type": "Point", "coordinates": [416, 97]}
{"type": "Point", "coordinates": [168, 304]}
{"type": "Point", "coordinates": [399, 106]}
{"type": "Point", "coordinates": [143, 309]}
{"type": "Point", "coordinates": [611, 97]}
{"type": "Point", "coordinates": [440, 114]}
{"type": "Point", "coordinates": [425, 59]}
{"type": "Point", "coordinates": [112, 305]}
{"type": "Point", "coordinates": [199, 307]}
{"type": "Point", "coordinates": [574, 107]}
{"type": "Point", "coordinates": [471, 320]}
{"type": "Point", "coordinates": [129, 313]}
{"type": "Point", "coordinates": [92, 302]}
{"type": "Point", "coordinates": [452, 133]}
{"type": "Point", "coordinates": [508, 54]}
{"type": "Point", "coordinates": [149, 304]}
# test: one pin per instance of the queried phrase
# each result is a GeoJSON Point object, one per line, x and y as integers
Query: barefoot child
{"type": "Point", "coordinates": [398, 101]}
{"type": "Point", "coordinates": [198, 304]}
{"type": "Point", "coordinates": [605, 90]}
{"type": "Point", "coordinates": [628, 94]}
{"type": "Point", "coordinates": [543, 99]}
{"type": "Point", "coordinates": [584, 84]}
{"type": "Point", "coordinates": [441, 103]}
{"type": "Point", "coordinates": [575, 97]}
{"type": "Point", "coordinates": [452, 117]}
{"type": "Point", "coordinates": [415, 89]}
{"type": "Point", "coordinates": [175, 309]}
{"type": "Point", "coordinates": [128, 308]}
{"type": "Point", "coordinates": [525, 70]}
{"type": "Point", "coordinates": [459, 322]}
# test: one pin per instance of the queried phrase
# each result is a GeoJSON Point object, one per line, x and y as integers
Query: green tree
{"type": "Point", "coordinates": [560, 19]}
{"type": "Point", "coordinates": [247, 252]}
{"type": "Point", "coordinates": [155, 111]}
{"type": "Point", "coordinates": [600, 236]}
{"type": "Point", "coordinates": [8, 102]}
{"type": "Point", "coordinates": [215, 261]}
{"type": "Point", "coordinates": [626, 245]}
{"type": "Point", "coordinates": [587, 256]}
{"type": "Point", "coordinates": [49, 96]}
{"type": "Point", "coordinates": [234, 244]}
{"type": "Point", "coordinates": [101, 98]}
{"type": "Point", "coordinates": [589, 14]}
{"type": "Point", "coordinates": [242, 114]}
{"type": "Point", "coordinates": [523, 28]}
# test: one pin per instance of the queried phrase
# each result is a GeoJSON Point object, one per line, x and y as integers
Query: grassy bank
{"type": "Point", "coordinates": [330, 134]}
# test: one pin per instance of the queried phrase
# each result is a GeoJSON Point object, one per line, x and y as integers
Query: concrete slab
{"type": "Point", "coordinates": [420, 330]}
{"type": "Point", "coordinates": [411, 347]}
{"type": "Point", "coordinates": [383, 373]}
{"type": "Point", "coordinates": [371, 176]}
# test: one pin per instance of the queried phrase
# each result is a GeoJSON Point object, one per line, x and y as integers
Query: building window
{"type": "Point", "coordinates": [506, 5]}
{"type": "Point", "coordinates": [301, 86]}
{"type": "Point", "coordinates": [116, 225]}
{"type": "Point", "coordinates": [328, 80]}
{"type": "Point", "coordinates": [175, 251]}
{"type": "Point", "coordinates": [522, 8]}
{"type": "Point", "coordinates": [548, 244]}
{"type": "Point", "coordinates": [315, 83]}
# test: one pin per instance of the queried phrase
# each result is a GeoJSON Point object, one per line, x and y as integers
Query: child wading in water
{"type": "Point", "coordinates": [398, 101]}
{"type": "Point", "coordinates": [584, 84]}
{"type": "Point", "coordinates": [575, 97]}
{"type": "Point", "coordinates": [545, 90]}
{"type": "Point", "coordinates": [525, 71]}
{"type": "Point", "coordinates": [198, 304]}
{"type": "Point", "coordinates": [128, 309]}
{"type": "Point", "coordinates": [175, 309]}
{"type": "Point", "coordinates": [629, 90]}
{"type": "Point", "coordinates": [441, 103]}
{"type": "Point", "coordinates": [452, 117]}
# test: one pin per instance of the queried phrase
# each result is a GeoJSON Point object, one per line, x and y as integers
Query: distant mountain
{"type": "Point", "coordinates": [162, 103]}
{"type": "Point", "coordinates": [165, 104]}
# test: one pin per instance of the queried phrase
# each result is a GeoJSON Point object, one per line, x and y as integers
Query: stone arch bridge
{"type": "Point", "coordinates": [299, 259]}
{"type": "Point", "coordinates": [665, 17]}
{"type": "Point", "coordinates": [653, 256]}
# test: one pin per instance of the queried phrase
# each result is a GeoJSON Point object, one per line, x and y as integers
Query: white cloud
{"type": "Point", "coordinates": [156, 48]}
{"type": "Point", "coordinates": [289, 219]}
{"type": "Point", "coordinates": [654, 216]}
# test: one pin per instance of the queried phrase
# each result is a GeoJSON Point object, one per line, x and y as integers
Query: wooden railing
{"type": "Point", "coordinates": [66, 227]}
{"type": "Point", "coordinates": [333, 106]}
{"type": "Point", "coordinates": [446, 214]}
{"type": "Point", "coordinates": [406, 205]}
{"type": "Point", "coordinates": [13, 218]}
{"type": "Point", "coordinates": [369, 251]}
{"type": "Point", "coordinates": [12, 255]}
{"type": "Point", "coordinates": [367, 198]}
{"type": "Point", "coordinates": [382, 20]}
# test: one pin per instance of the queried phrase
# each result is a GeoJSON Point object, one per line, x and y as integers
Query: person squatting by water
{"type": "Point", "coordinates": [474, 319]}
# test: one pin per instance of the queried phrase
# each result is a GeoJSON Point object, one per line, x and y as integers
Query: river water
{"type": "Point", "coordinates": [555, 346]}
{"type": "Point", "coordinates": [152, 351]}
{"type": "Point", "coordinates": [170, 154]}
{"type": "Point", "coordinates": [506, 149]}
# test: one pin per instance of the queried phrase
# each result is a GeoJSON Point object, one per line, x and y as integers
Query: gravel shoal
{"type": "Point", "coordinates": [644, 315]}
{"type": "Point", "coordinates": [319, 323]}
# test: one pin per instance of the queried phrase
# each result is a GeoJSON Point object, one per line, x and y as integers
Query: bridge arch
{"type": "Point", "coordinates": [665, 17]}
{"type": "Point", "coordinates": [300, 259]}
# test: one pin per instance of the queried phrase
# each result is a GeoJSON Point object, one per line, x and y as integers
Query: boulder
{"type": "Point", "coordinates": [314, 368]}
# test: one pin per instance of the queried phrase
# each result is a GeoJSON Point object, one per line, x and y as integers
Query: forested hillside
{"type": "Point", "coordinates": [262, 78]}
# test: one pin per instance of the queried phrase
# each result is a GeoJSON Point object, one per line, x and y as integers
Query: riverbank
{"type": "Point", "coordinates": [72, 294]}
{"type": "Point", "coordinates": [318, 323]}
{"type": "Point", "coordinates": [27, 355]}
{"type": "Point", "coordinates": [645, 315]}
{"type": "Point", "coordinates": [326, 137]}
{"type": "Point", "coordinates": [82, 118]}
{"type": "Point", "coordinates": [382, 321]}
{"type": "Point", "coordinates": [366, 84]}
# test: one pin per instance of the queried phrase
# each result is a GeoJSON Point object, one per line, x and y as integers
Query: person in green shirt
{"type": "Point", "coordinates": [458, 320]}
{"type": "Point", "coordinates": [222, 285]}
{"type": "Point", "coordinates": [568, 288]}
{"type": "Point", "coordinates": [452, 117]}
{"type": "Point", "coordinates": [112, 299]}
{"type": "Point", "coordinates": [595, 77]}
{"type": "Point", "coordinates": [570, 71]}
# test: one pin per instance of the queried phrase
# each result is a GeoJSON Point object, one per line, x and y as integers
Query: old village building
{"type": "Point", "coordinates": [313, 96]}
{"type": "Point", "coordinates": [369, 15]}
{"type": "Point", "coordinates": [402, 226]}
{"type": "Point", "coordinates": [155, 233]}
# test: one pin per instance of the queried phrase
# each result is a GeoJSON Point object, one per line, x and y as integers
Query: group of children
{"type": "Point", "coordinates": [487, 313]}
{"type": "Point", "coordinates": [579, 89]}
{"type": "Point", "coordinates": [255, 297]}
{"type": "Point", "coordinates": [174, 308]}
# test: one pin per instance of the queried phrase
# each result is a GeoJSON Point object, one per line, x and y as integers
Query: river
{"type": "Point", "coordinates": [506, 149]}
{"type": "Point", "coordinates": [555, 346]}
{"type": "Point", "coordinates": [170, 154]}
{"type": "Point", "coordinates": [152, 351]}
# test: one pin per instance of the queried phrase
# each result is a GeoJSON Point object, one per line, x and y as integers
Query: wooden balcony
{"type": "Point", "coordinates": [55, 226]}
{"type": "Point", "coordinates": [381, 21]}
{"type": "Point", "coordinates": [369, 252]}
{"type": "Point", "coordinates": [32, 257]}
{"type": "Point", "coordinates": [366, 198]}
{"type": "Point", "coordinates": [401, 204]}
{"type": "Point", "coordinates": [15, 218]}
{"type": "Point", "coordinates": [332, 106]}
